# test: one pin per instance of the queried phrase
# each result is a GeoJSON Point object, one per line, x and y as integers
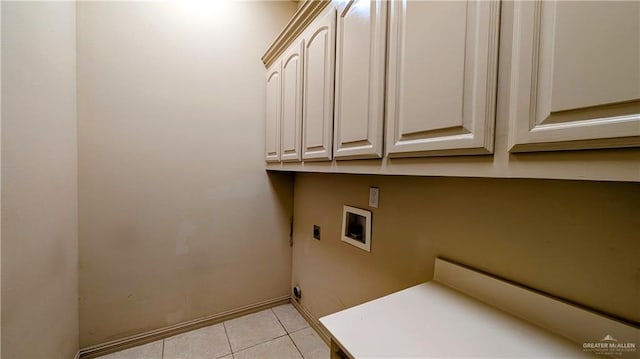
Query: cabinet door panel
{"type": "Point", "coordinates": [442, 77]}
{"type": "Point", "coordinates": [292, 103]}
{"type": "Point", "coordinates": [360, 75]}
{"type": "Point", "coordinates": [576, 75]}
{"type": "Point", "coordinates": [317, 107]}
{"type": "Point", "coordinates": [273, 109]}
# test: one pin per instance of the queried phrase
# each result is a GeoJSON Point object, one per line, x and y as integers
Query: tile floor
{"type": "Point", "coordinates": [279, 332]}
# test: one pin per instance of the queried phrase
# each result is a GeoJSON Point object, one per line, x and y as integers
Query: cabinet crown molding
{"type": "Point", "coordinates": [305, 14]}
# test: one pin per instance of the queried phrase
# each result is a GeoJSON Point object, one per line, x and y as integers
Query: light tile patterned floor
{"type": "Point", "coordinates": [277, 333]}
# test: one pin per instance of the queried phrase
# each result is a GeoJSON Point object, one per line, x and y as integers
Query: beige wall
{"type": "Point", "coordinates": [0, 181]}
{"type": "Point", "coordinates": [573, 239]}
{"type": "Point", "coordinates": [178, 218]}
{"type": "Point", "coordinates": [39, 181]}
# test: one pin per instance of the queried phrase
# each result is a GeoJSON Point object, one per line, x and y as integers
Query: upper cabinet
{"type": "Point", "coordinates": [318, 78]}
{"type": "Point", "coordinates": [575, 75]}
{"type": "Point", "coordinates": [441, 88]}
{"type": "Point", "coordinates": [291, 103]}
{"type": "Point", "coordinates": [411, 88]}
{"type": "Point", "coordinates": [360, 78]}
{"type": "Point", "coordinates": [273, 108]}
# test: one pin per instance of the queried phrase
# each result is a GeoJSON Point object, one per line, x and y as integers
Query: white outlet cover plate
{"type": "Point", "coordinates": [374, 195]}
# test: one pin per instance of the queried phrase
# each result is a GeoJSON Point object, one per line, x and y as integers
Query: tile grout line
{"type": "Point", "coordinates": [295, 345]}
{"type": "Point", "coordinates": [255, 345]}
{"type": "Point", "coordinates": [228, 340]}
{"type": "Point", "coordinates": [287, 330]}
{"type": "Point", "coordinates": [301, 329]}
{"type": "Point", "coordinates": [288, 334]}
{"type": "Point", "coordinates": [308, 326]}
{"type": "Point", "coordinates": [226, 355]}
{"type": "Point", "coordinates": [270, 340]}
{"type": "Point", "coordinates": [279, 321]}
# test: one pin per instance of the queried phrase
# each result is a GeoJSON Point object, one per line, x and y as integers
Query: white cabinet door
{"type": "Point", "coordinates": [441, 77]}
{"type": "Point", "coordinates": [360, 79]}
{"type": "Point", "coordinates": [291, 103]}
{"type": "Point", "coordinates": [575, 75]}
{"type": "Point", "coordinates": [273, 108]}
{"type": "Point", "coordinates": [317, 106]}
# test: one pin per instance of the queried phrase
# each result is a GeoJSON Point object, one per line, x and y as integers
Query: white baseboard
{"type": "Point", "coordinates": [153, 335]}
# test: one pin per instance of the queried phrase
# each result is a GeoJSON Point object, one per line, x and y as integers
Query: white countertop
{"type": "Point", "coordinates": [433, 320]}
